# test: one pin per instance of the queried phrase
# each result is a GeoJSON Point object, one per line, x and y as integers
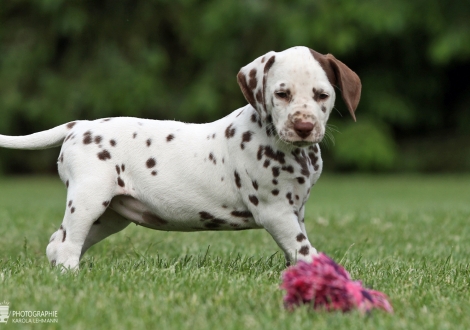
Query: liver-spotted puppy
{"type": "Point", "coordinates": [251, 169]}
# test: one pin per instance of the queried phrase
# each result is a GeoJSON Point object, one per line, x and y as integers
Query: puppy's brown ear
{"type": "Point", "coordinates": [252, 81]}
{"type": "Point", "coordinates": [343, 78]}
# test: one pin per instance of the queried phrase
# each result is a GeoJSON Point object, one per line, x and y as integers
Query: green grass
{"type": "Point", "coordinates": [408, 236]}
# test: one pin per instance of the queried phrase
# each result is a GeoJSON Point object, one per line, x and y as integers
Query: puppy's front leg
{"type": "Point", "coordinates": [284, 227]}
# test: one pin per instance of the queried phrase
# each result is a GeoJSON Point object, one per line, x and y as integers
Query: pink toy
{"type": "Point", "coordinates": [326, 285]}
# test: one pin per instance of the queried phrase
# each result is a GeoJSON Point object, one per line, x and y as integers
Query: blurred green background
{"type": "Point", "coordinates": [62, 60]}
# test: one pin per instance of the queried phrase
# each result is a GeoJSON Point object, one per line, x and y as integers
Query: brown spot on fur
{"type": "Point", "coordinates": [255, 184]}
{"type": "Point", "coordinates": [148, 142]}
{"type": "Point", "coordinates": [274, 181]}
{"type": "Point", "coordinates": [218, 221]}
{"type": "Point", "coordinates": [87, 137]}
{"type": "Point", "coordinates": [212, 158]}
{"type": "Point", "coordinates": [71, 124]}
{"type": "Point", "coordinates": [72, 210]}
{"type": "Point", "coordinates": [300, 180]}
{"type": "Point", "coordinates": [254, 117]}
{"type": "Point", "coordinates": [65, 235]}
{"type": "Point", "coordinates": [123, 167]}
{"type": "Point", "coordinates": [103, 155]}
{"type": "Point", "coordinates": [289, 198]}
{"type": "Point", "coordinates": [253, 199]}
{"type": "Point", "coordinates": [300, 237]}
{"type": "Point", "coordinates": [170, 137]}
{"type": "Point", "coordinates": [229, 131]}
{"type": "Point", "coordinates": [276, 171]}
{"type": "Point", "coordinates": [70, 203]}
{"type": "Point", "coordinates": [304, 250]}
{"type": "Point", "coordinates": [154, 173]}
{"type": "Point", "coordinates": [301, 159]}
{"type": "Point", "coordinates": [153, 219]}
{"type": "Point", "coordinates": [120, 182]}
{"type": "Point", "coordinates": [246, 137]}
{"type": "Point", "coordinates": [112, 143]}
{"type": "Point", "coordinates": [275, 155]}
{"type": "Point", "coordinates": [98, 139]}
{"type": "Point", "coordinates": [134, 135]}
{"type": "Point", "coordinates": [275, 192]}
{"type": "Point", "coordinates": [118, 169]}
{"type": "Point", "coordinates": [151, 162]}
{"type": "Point", "coordinates": [288, 169]}
{"type": "Point", "coordinates": [206, 215]}
{"type": "Point", "coordinates": [253, 82]}
{"type": "Point", "coordinates": [237, 179]}
{"type": "Point", "coordinates": [211, 225]}
{"type": "Point", "coordinates": [242, 214]}
{"type": "Point", "coordinates": [259, 96]}
{"type": "Point", "coordinates": [105, 203]}
{"type": "Point", "coordinates": [266, 163]}
{"type": "Point", "coordinates": [313, 158]}
{"type": "Point", "coordinates": [269, 64]}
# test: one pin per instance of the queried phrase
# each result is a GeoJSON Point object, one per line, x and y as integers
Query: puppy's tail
{"type": "Point", "coordinates": [40, 140]}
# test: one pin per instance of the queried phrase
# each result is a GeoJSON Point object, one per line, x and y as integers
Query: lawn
{"type": "Point", "coordinates": [408, 236]}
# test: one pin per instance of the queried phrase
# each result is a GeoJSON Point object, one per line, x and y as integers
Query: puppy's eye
{"type": "Point", "coordinates": [282, 95]}
{"type": "Point", "coordinates": [323, 96]}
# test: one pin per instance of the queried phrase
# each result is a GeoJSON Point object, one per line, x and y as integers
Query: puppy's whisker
{"type": "Point", "coordinates": [335, 108]}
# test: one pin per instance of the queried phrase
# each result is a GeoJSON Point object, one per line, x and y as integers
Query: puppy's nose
{"type": "Point", "coordinates": [303, 129]}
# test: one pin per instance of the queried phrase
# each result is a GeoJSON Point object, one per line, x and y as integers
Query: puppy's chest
{"type": "Point", "coordinates": [270, 173]}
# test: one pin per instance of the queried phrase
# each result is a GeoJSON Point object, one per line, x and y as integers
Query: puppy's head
{"type": "Point", "coordinates": [296, 89]}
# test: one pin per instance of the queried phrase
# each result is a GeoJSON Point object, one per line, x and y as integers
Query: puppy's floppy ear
{"type": "Point", "coordinates": [343, 78]}
{"type": "Point", "coordinates": [252, 81]}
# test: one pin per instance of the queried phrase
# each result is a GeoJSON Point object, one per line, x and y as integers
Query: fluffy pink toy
{"type": "Point", "coordinates": [326, 285]}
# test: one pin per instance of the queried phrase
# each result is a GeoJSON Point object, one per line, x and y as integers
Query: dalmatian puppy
{"type": "Point", "coordinates": [251, 169]}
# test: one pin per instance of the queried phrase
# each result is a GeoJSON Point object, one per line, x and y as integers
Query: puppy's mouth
{"type": "Point", "coordinates": [296, 141]}
{"type": "Point", "coordinates": [302, 143]}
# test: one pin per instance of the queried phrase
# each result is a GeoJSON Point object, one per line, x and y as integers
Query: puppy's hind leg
{"type": "Point", "coordinates": [109, 223]}
{"type": "Point", "coordinates": [85, 204]}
